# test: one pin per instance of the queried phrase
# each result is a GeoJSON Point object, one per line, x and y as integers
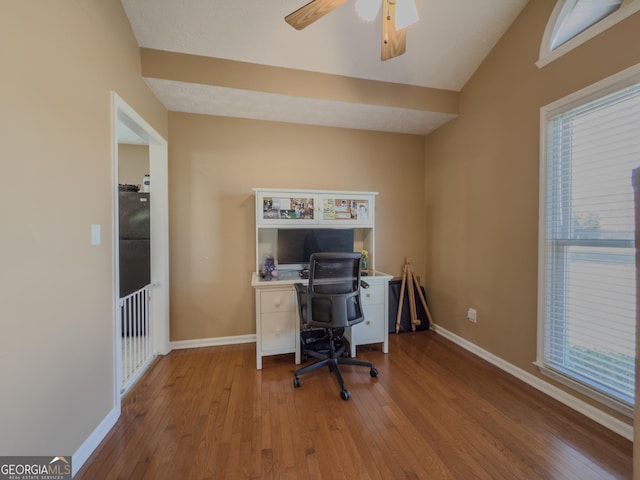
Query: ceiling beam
{"type": "Point", "coordinates": [285, 81]}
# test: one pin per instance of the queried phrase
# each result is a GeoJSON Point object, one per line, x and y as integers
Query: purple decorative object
{"type": "Point", "coordinates": [269, 267]}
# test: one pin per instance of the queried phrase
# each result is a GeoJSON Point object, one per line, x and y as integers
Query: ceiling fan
{"type": "Point", "coordinates": [393, 41]}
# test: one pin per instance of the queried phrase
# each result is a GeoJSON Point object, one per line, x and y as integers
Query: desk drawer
{"type": "Point", "coordinates": [277, 301]}
{"type": "Point", "coordinates": [373, 294]}
{"type": "Point", "coordinates": [372, 329]}
{"type": "Point", "coordinates": [278, 332]}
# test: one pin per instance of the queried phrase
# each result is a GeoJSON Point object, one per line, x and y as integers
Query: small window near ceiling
{"type": "Point", "coordinates": [573, 22]}
{"type": "Point", "coordinates": [578, 15]}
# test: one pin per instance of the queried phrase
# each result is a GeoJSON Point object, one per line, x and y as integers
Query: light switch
{"type": "Point", "coordinates": [95, 234]}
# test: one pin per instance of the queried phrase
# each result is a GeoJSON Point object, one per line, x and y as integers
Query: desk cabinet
{"type": "Point", "coordinates": [278, 323]}
{"type": "Point", "coordinates": [374, 327]}
{"type": "Point", "coordinates": [277, 326]}
{"type": "Point", "coordinates": [291, 208]}
{"type": "Point", "coordinates": [346, 209]}
{"type": "Point", "coordinates": [286, 208]}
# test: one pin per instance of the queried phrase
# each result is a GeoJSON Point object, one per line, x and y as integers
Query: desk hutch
{"type": "Point", "coordinates": [277, 321]}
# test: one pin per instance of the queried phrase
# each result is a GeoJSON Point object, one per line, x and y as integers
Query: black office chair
{"type": "Point", "coordinates": [331, 302]}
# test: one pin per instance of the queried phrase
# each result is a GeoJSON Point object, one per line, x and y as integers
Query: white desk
{"type": "Point", "coordinates": [278, 323]}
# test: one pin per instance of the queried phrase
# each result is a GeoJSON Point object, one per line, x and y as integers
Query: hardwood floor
{"type": "Point", "coordinates": [434, 412]}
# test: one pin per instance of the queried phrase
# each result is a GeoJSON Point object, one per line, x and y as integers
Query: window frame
{"type": "Point", "coordinates": [600, 89]}
{"type": "Point", "coordinates": [546, 55]}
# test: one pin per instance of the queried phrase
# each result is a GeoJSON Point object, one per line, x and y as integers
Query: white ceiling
{"type": "Point", "coordinates": [443, 50]}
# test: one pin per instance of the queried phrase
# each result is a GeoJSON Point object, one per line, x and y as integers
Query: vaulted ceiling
{"type": "Point", "coordinates": [240, 59]}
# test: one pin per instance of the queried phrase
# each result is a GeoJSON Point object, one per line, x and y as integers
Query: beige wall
{"type": "Point", "coordinates": [482, 183]}
{"type": "Point", "coordinates": [213, 164]}
{"type": "Point", "coordinates": [60, 60]}
{"type": "Point", "coordinates": [476, 237]}
{"type": "Point", "coordinates": [133, 164]}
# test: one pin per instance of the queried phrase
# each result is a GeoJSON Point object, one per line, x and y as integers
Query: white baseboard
{"type": "Point", "coordinates": [213, 342]}
{"type": "Point", "coordinates": [589, 411]}
{"type": "Point", "coordinates": [92, 442]}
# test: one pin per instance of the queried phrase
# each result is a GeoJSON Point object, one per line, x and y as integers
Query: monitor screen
{"type": "Point", "coordinates": [295, 246]}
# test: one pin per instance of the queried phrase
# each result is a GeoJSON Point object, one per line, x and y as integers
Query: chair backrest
{"type": "Point", "coordinates": [333, 293]}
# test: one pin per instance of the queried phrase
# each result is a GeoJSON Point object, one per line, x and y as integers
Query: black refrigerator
{"type": "Point", "coordinates": [135, 251]}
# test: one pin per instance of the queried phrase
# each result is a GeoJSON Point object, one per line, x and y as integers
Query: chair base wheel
{"type": "Point", "coordinates": [373, 372]}
{"type": "Point", "coordinates": [296, 382]}
{"type": "Point", "coordinates": [345, 395]}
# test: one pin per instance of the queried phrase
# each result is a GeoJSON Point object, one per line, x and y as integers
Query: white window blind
{"type": "Point", "coordinates": [589, 291]}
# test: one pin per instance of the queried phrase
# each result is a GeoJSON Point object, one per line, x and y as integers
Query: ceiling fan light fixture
{"type": "Point", "coordinates": [368, 10]}
{"type": "Point", "coordinates": [406, 14]}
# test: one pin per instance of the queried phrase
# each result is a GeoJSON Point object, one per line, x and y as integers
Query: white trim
{"type": "Point", "coordinates": [213, 342]}
{"type": "Point", "coordinates": [117, 327]}
{"type": "Point", "coordinates": [546, 56]}
{"type": "Point", "coordinates": [158, 168]}
{"type": "Point", "coordinates": [91, 443]}
{"type": "Point", "coordinates": [569, 400]}
{"type": "Point", "coordinates": [158, 164]}
{"type": "Point", "coordinates": [579, 387]}
{"type": "Point", "coordinates": [606, 86]}
{"type": "Point", "coordinates": [542, 235]}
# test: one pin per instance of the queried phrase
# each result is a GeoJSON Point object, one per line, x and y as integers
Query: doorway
{"type": "Point", "coordinates": [139, 148]}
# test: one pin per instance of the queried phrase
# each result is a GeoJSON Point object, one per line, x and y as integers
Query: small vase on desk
{"type": "Point", "coordinates": [364, 263]}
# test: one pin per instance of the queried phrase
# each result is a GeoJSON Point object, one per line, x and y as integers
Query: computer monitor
{"type": "Point", "coordinates": [295, 246]}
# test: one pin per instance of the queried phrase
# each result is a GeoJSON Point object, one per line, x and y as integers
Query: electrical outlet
{"type": "Point", "coordinates": [472, 315]}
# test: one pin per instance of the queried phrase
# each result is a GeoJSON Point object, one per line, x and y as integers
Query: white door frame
{"type": "Point", "coordinates": [123, 114]}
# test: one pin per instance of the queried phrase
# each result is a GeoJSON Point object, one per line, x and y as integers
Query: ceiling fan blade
{"type": "Point", "coordinates": [311, 12]}
{"type": "Point", "coordinates": [394, 42]}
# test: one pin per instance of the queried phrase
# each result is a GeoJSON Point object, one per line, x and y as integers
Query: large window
{"type": "Point", "coordinates": [587, 294]}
